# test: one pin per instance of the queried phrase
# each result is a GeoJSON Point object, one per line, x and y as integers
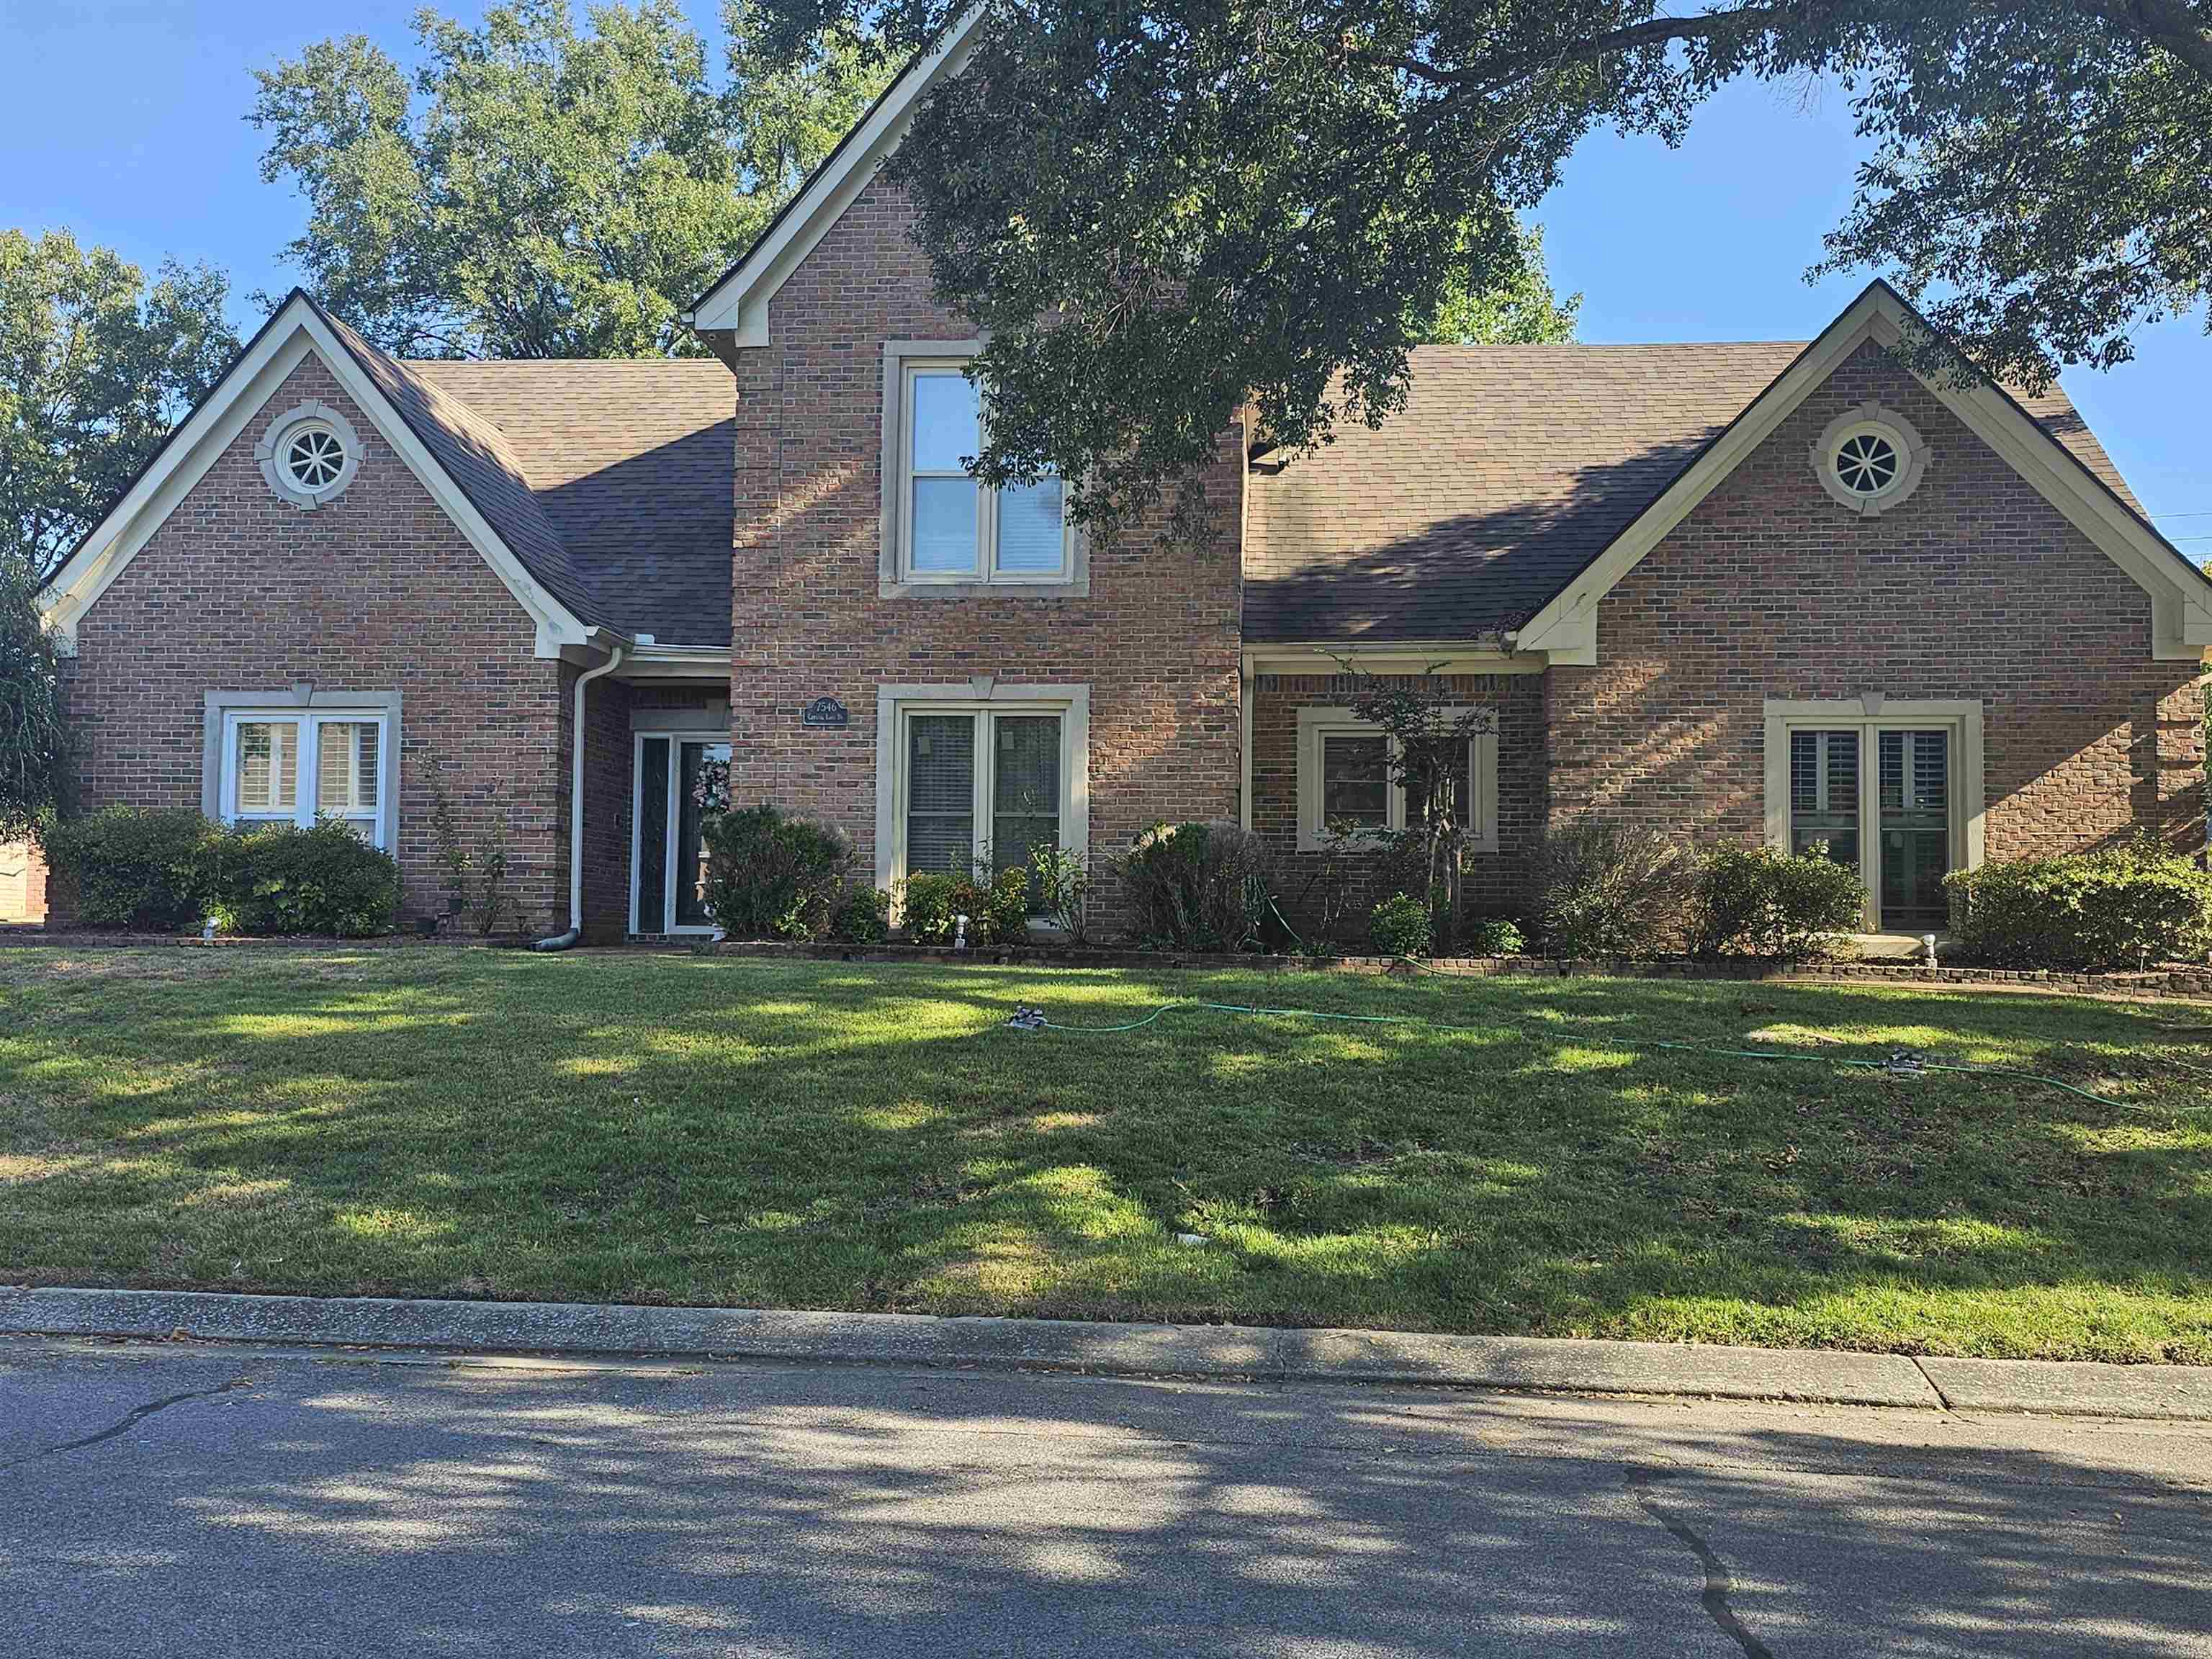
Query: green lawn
{"type": "Point", "coordinates": [671, 1128]}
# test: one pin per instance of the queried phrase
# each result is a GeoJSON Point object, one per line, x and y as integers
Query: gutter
{"type": "Point", "coordinates": [564, 941]}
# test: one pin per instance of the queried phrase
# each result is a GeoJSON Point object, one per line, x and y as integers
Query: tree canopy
{"type": "Point", "coordinates": [1156, 212]}
{"type": "Point", "coordinates": [536, 189]}
{"type": "Point", "coordinates": [96, 365]}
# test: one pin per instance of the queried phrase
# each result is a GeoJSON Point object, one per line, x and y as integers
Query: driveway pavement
{"type": "Point", "coordinates": [182, 1498]}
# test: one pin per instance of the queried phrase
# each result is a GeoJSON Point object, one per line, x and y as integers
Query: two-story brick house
{"type": "Point", "coordinates": [1792, 592]}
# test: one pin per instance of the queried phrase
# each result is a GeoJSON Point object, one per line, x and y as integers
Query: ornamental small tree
{"type": "Point", "coordinates": [1430, 738]}
{"type": "Point", "coordinates": [32, 749]}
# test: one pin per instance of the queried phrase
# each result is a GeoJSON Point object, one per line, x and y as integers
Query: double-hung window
{"type": "Point", "coordinates": [976, 785]}
{"type": "Point", "coordinates": [950, 529]}
{"type": "Point", "coordinates": [301, 765]}
{"type": "Point", "coordinates": [983, 788]}
{"type": "Point", "coordinates": [1346, 788]}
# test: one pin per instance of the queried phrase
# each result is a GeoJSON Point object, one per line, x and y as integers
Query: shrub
{"type": "Point", "coordinates": [1612, 890]}
{"type": "Point", "coordinates": [1063, 890]}
{"type": "Point", "coordinates": [280, 879]}
{"type": "Point", "coordinates": [1400, 927]}
{"type": "Point", "coordinates": [863, 914]}
{"type": "Point", "coordinates": [1003, 907]}
{"type": "Point", "coordinates": [1494, 936]}
{"type": "Point", "coordinates": [1198, 886]}
{"type": "Point", "coordinates": [135, 868]}
{"type": "Point", "coordinates": [2115, 908]}
{"type": "Point", "coordinates": [929, 903]}
{"type": "Point", "coordinates": [1754, 901]}
{"type": "Point", "coordinates": [771, 877]}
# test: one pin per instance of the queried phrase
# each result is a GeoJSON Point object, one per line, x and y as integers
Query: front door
{"type": "Point", "coordinates": [676, 774]}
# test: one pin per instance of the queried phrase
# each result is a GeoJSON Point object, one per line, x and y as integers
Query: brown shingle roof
{"type": "Point", "coordinates": [632, 462]}
{"type": "Point", "coordinates": [612, 480]}
{"type": "Point", "coordinates": [1510, 469]}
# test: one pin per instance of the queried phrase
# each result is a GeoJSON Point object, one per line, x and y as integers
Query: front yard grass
{"type": "Point", "coordinates": [671, 1128]}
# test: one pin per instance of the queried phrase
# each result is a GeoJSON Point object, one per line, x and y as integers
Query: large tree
{"type": "Point", "coordinates": [96, 365]}
{"type": "Point", "coordinates": [1156, 211]}
{"type": "Point", "coordinates": [536, 189]}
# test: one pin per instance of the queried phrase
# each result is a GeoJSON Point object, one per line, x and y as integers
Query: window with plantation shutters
{"type": "Point", "coordinates": [1824, 794]}
{"type": "Point", "coordinates": [1892, 788]}
{"type": "Point", "coordinates": [302, 766]}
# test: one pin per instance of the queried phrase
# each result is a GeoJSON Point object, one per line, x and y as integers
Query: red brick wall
{"type": "Point", "coordinates": [376, 591]}
{"type": "Point", "coordinates": [1157, 639]}
{"type": "Point", "coordinates": [1494, 881]}
{"type": "Point", "coordinates": [1974, 587]}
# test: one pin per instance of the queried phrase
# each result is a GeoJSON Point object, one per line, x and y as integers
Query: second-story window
{"type": "Point", "coordinates": [954, 529]}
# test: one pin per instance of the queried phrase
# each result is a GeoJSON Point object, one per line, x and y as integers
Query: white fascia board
{"type": "Point", "coordinates": [739, 303]}
{"type": "Point", "coordinates": [676, 662]}
{"type": "Point", "coordinates": [1566, 627]}
{"type": "Point", "coordinates": [242, 396]}
{"type": "Point", "coordinates": [1387, 657]}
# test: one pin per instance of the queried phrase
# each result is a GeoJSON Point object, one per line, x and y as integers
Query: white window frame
{"type": "Point", "coordinates": [309, 711]}
{"type": "Point", "coordinates": [666, 923]}
{"type": "Point", "coordinates": [897, 705]}
{"type": "Point", "coordinates": [1870, 716]}
{"type": "Point", "coordinates": [1316, 725]}
{"type": "Point", "coordinates": [904, 361]}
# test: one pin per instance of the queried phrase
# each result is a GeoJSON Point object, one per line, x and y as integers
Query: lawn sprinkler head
{"type": "Point", "coordinates": [1026, 1018]}
{"type": "Point", "coordinates": [1903, 1063]}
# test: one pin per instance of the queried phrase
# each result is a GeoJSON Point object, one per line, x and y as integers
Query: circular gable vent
{"type": "Point", "coordinates": [309, 455]}
{"type": "Point", "coordinates": [1869, 459]}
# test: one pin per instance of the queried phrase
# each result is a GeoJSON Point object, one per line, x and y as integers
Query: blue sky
{"type": "Point", "coordinates": [122, 120]}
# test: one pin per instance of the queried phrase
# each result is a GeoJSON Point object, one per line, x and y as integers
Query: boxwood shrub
{"type": "Point", "coordinates": [1400, 927]}
{"type": "Point", "coordinates": [773, 877]}
{"type": "Point", "coordinates": [1755, 901]}
{"type": "Point", "coordinates": [135, 868]}
{"type": "Point", "coordinates": [2117, 908]}
{"type": "Point", "coordinates": [158, 870]}
{"type": "Point", "coordinates": [280, 879]}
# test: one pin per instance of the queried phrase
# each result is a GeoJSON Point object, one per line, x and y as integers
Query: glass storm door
{"type": "Point", "coordinates": [1915, 828]}
{"type": "Point", "coordinates": [670, 870]}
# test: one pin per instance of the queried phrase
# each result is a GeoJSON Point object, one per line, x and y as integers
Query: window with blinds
{"type": "Point", "coordinates": [1824, 794]}
{"type": "Point", "coordinates": [971, 770]}
{"type": "Point", "coordinates": [940, 793]}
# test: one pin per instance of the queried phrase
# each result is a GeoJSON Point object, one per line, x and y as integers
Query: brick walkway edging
{"type": "Point", "coordinates": [2172, 979]}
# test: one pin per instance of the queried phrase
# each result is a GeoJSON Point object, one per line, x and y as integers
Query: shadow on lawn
{"type": "Point", "coordinates": [694, 1130]}
{"type": "Point", "coordinates": [819, 1512]}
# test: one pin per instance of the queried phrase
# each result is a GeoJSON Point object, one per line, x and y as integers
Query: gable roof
{"type": "Point", "coordinates": [736, 304]}
{"type": "Point", "coordinates": [1521, 482]}
{"type": "Point", "coordinates": [1508, 467]}
{"type": "Point", "coordinates": [599, 491]}
{"type": "Point", "coordinates": [630, 463]}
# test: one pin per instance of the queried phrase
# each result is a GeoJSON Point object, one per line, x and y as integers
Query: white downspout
{"type": "Point", "coordinates": [562, 941]}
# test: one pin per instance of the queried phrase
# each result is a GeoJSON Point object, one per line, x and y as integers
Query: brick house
{"type": "Point", "coordinates": [1781, 592]}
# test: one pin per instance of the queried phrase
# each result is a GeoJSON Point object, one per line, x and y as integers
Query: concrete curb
{"type": "Point", "coordinates": [1196, 1351]}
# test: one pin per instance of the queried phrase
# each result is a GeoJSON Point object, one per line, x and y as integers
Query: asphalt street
{"type": "Point", "coordinates": [181, 1498]}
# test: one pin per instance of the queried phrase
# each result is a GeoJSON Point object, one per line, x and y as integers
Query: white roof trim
{"type": "Point", "coordinates": [739, 303]}
{"type": "Point", "coordinates": [2181, 609]}
{"type": "Point", "coordinates": [292, 334]}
